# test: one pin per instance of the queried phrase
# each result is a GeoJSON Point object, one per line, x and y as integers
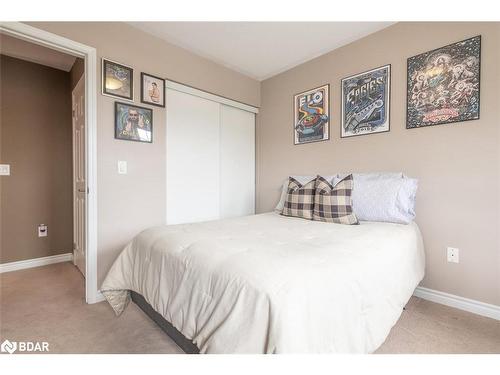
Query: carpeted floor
{"type": "Point", "coordinates": [47, 304]}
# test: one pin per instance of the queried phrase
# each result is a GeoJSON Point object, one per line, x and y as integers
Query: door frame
{"type": "Point", "coordinates": [53, 41]}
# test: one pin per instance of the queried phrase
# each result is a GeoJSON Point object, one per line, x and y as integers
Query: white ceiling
{"type": "Point", "coordinates": [21, 49]}
{"type": "Point", "coordinates": [260, 49]}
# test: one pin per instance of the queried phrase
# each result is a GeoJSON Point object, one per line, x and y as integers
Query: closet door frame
{"type": "Point", "coordinates": [208, 95]}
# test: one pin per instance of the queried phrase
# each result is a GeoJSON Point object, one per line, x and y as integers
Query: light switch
{"type": "Point", "coordinates": [4, 169]}
{"type": "Point", "coordinates": [122, 167]}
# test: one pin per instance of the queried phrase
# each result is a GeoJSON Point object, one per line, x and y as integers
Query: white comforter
{"type": "Point", "coordinates": [273, 284]}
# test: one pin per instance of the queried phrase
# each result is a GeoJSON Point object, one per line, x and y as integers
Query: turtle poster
{"type": "Point", "coordinates": [365, 102]}
{"type": "Point", "coordinates": [443, 85]}
{"type": "Point", "coordinates": [311, 115]}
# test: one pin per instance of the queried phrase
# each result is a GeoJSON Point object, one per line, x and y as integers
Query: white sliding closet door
{"type": "Point", "coordinates": [192, 158]}
{"type": "Point", "coordinates": [210, 156]}
{"type": "Point", "coordinates": [237, 162]}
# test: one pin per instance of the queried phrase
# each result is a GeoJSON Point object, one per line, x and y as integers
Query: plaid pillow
{"type": "Point", "coordinates": [334, 204]}
{"type": "Point", "coordinates": [299, 200]}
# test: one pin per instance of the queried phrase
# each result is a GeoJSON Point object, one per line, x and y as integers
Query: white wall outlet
{"type": "Point", "coordinates": [122, 167]}
{"type": "Point", "coordinates": [4, 169]}
{"type": "Point", "coordinates": [42, 230]}
{"type": "Point", "coordinates": [453, 255]}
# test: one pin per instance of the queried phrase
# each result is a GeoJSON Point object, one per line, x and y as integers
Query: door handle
{"type": "Point", "coordinates": [81, 190]}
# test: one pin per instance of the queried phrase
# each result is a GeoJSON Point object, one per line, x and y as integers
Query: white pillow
{"type": "Point", "coordinates": [388, 197]}
{"type": "Point", "coordinates": [303, 180]}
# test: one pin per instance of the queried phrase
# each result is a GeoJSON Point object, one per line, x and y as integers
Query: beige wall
{"type": "Point", "coordinates": [457, 165]}
{"type": "Point", "coordinates": [130, 203]}
{"type": "Point", "coordinates": [36, 142]}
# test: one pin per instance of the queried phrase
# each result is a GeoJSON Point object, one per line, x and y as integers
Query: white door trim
{"type": "Point", "coordinates": [44, 38]}
{"type": "Point", "coordinates": [209, 96]}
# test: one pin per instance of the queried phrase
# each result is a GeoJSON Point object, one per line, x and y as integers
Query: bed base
{"type": "Point", "coordinates": [182, 342]}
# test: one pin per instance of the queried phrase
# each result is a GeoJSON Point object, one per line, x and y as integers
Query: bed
{"type": "Point", "coordinates": [271, 284]}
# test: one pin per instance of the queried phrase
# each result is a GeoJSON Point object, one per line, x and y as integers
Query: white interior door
{"type": "Point", "coordinates": [79, 185]}
{"type": "Point", "coordinates": [237, 162]}
{"type": "Point", "coordinates": [192, 158]}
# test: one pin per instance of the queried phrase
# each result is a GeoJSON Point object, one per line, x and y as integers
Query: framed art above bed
{"type": "Point", "coordinates": [366, 102]}
{"type": "Point", "coordinates": [312, 115]}
{"type": "Point", "coordinates": [443, 85]}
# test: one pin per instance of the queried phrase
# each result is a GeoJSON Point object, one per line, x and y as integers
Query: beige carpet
{"type": "Point", "coordinates": [47, 304]}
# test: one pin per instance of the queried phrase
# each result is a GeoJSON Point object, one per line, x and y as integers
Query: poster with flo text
{"type": "Point", "coordinates": [311, 115]}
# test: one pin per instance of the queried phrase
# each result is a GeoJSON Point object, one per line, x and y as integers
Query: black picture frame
{"type": "Point", "coordinates": [134, 137]}
{"type": "Point", "coordinates": [387, 102]}
{"type": "Point", "coordinates": [411, 123]}
{"type": "Point", "coordinates": [162, 90]}
{"type": "Point", "coordinates": [128, 80]}
{"type": "Point", "coordinates": [326, 105]}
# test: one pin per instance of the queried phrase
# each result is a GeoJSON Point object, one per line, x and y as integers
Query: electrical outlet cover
{"type": "Point", "coordinates": [453, 255]}
{"type": "Point", "coordinates": [42, 230]}
{"type": "Point", "coordinates": [4, 169]}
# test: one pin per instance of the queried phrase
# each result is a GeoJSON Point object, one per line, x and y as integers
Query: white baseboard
{"type": "Point", "coordinates": [37, 262]}
{"type": "Point", "coordinates": [461, 303]}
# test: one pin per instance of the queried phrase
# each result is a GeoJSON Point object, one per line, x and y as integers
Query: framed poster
{"type": "Point", "coordinates": [443, 85]}
{"type": "Point", "coordinates": [117, 80]}
{"type": "Point", "coordinates": [312, 115]}
{"type": "Point", "coordinates": [152, 90]}
{"type": "Point", "coordinates": [366, 102]}
{"type": "Point", "coordinates": [133, 123]}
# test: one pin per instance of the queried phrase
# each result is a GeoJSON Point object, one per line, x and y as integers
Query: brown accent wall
{"type": "Point", "coordinates": [458, 165]}
{"type": "Point", "coordinates": [36, 141]}
{"type": "Point", "coordinates": [130, 203]}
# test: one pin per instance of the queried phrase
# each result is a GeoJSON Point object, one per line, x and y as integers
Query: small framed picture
{"type": "Point", "coordinates": [117, 80]}
{"type": "Point", "coordinates": [133, 123]}
{"type": "Point", "coordinates": [152, 90]}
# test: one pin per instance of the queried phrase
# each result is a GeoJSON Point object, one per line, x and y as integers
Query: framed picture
{"type": "Point", "coordinates": [312, 115]}
{"type": "Point", "coordinates": [117, 80]}
{"type": "Point", "coordinates": [152, 90]}
{"type": "Point", "coordinates": [366, 100]}
{"type": "Point", "coordinates": [133, 123]}
{"type": "Point", "coordinates": [443, 85]}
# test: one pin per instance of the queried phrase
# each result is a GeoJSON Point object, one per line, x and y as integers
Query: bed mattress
{"type": "Point", "coordinates": [273, 284]}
